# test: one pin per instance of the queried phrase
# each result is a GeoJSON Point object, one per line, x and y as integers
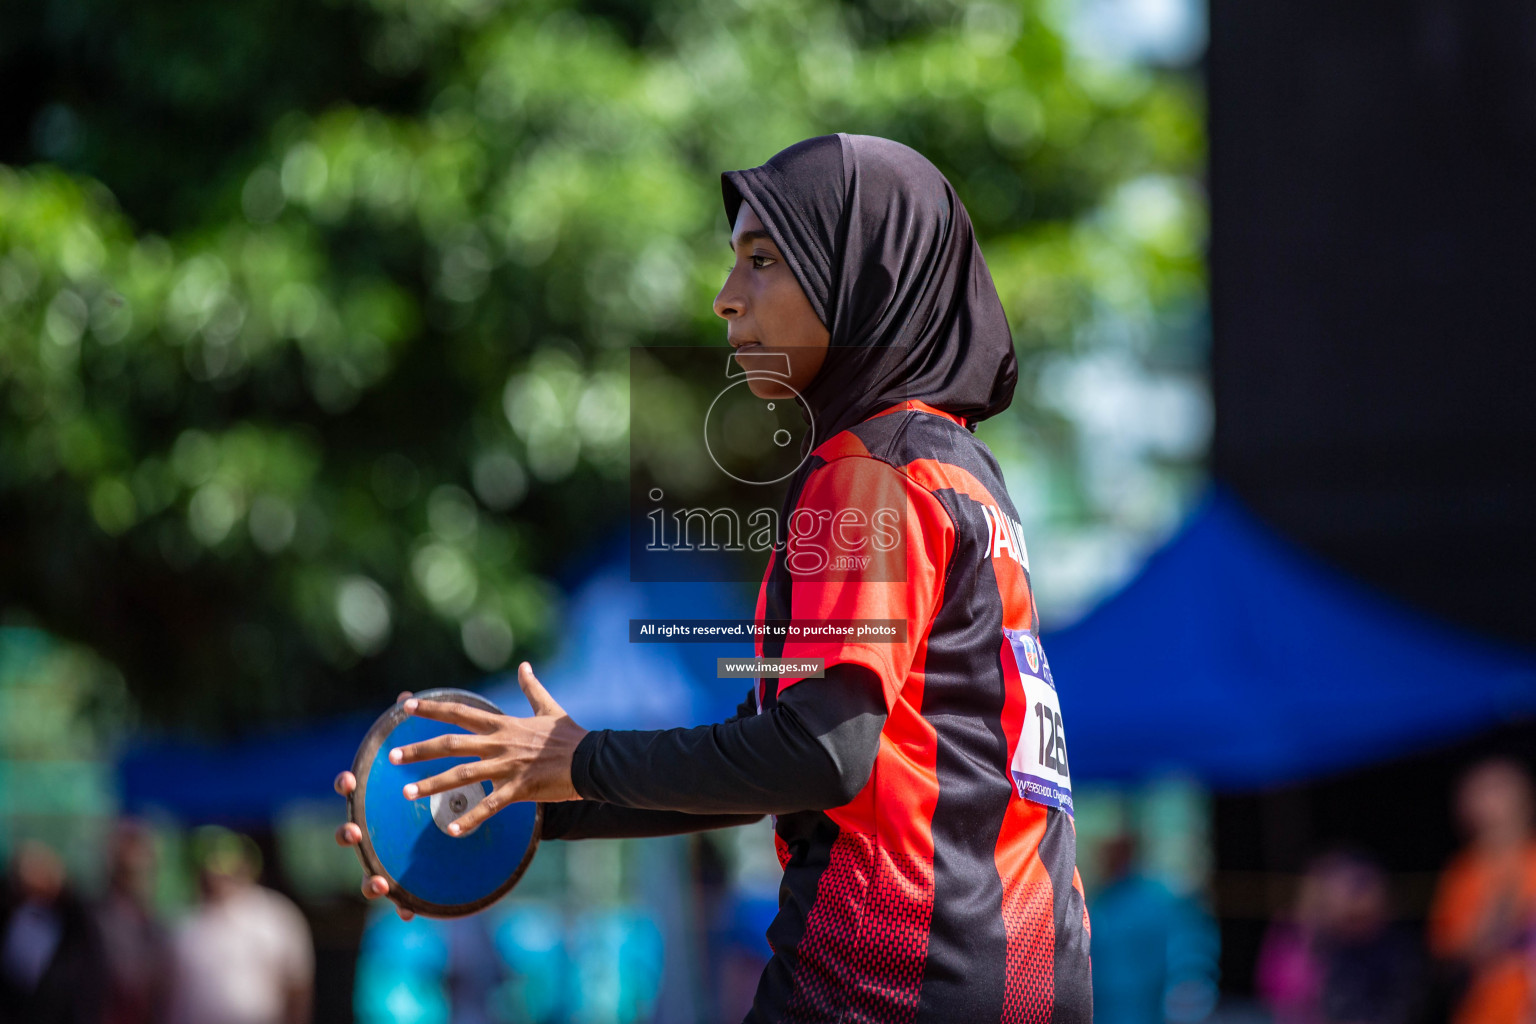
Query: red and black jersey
{"type": "Point", "coordinates": [946, 890]}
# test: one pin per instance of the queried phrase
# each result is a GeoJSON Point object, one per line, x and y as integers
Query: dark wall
{"type": "Point", "coordinates": [1373, 176]}
{"type": "Point", "coordinates": [1373, 263]}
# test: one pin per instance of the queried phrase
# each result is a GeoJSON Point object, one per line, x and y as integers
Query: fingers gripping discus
{"type": "Point", "coordinates": [429, 871]}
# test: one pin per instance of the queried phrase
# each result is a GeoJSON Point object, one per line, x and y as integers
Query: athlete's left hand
{"type": "Point", "coordinates": [522, 758]}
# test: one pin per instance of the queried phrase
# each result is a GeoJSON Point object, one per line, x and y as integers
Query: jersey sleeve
{"type": "Point", "coordinates": [866, 544]}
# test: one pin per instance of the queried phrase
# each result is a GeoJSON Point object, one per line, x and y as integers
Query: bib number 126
{"type": "Point", "coordinates": [1053, 739]}
{"type": "Point", "coordinates": [1040, 770]}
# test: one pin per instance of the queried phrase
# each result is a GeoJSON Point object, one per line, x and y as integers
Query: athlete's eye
{"type": "Point", "coordinates": [760, 262]}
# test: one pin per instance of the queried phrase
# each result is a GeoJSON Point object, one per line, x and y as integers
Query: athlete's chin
{"type": "Point", "coordinates": [770, 390]}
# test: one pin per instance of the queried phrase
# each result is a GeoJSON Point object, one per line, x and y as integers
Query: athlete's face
{"type": "Point", "coordinates": [779, 340]}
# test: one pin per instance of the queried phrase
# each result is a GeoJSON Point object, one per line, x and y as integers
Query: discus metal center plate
{"type": "Point", "coordinates": [451, 805]}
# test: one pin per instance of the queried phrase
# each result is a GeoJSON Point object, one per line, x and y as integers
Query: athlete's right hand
{"type": "Point", "coordinates": [348, 834]}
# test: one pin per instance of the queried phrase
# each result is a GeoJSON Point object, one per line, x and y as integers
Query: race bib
{"type": "Point", "coordinates": [1039, 768]}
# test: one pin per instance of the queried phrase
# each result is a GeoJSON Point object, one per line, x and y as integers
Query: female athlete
{"type": "Point", "coordinates": [920, 786]}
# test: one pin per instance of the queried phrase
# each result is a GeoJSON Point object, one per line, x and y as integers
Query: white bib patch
{"type": "Point", "coordinates": [1039, 768]}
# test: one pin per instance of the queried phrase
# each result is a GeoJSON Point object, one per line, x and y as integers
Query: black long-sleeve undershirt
{"type": "Point", "coordinates": [812, 750]}
{"type": "Point", "coordinates": [588, 819]}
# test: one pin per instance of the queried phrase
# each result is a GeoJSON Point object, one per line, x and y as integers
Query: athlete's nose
{"type": "Point", "coordinates": [730, 303]}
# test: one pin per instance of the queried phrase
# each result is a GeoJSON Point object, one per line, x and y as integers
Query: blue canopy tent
{"type": "Point", "coordinates": [1232, 656]}
{"type": "Point", "coordinates": [1238, 658]}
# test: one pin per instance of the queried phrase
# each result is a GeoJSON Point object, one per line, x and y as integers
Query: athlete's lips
{"type": "Point", "coordinates": [748, 351]}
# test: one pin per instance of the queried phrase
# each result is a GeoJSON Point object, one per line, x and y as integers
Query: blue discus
{"type": "Point", "coordinates": [407, 841]}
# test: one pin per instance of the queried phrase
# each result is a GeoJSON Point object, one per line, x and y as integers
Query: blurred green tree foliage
{"type": "Point", "coordinates": [315, 318]}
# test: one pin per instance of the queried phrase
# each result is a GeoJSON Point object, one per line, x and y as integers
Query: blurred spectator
{"type": "Point", "coordinates": [425, 970]}
{"type": "Point", "coordinates": [1289, 974]}
{"type": "Point", "coordinates": [400, 970]}
{"type": "Point", "coordinates": [1362, 969]}
{"type": "Point", "coordinates": [137, 944]}
{"type": "Point", "coordinates": [1154, 952]}
{"type": "Point", "coordinates": [1338, 959]}
{"type": "Point", "coordinates": [616, 963]}
{"type": "Point", "coordinates": [475, 971]}
{"type": "Point", "coordinates": [245, 955]}
{"type": "Point", "coordinates": [1484, 912]}
{"type": "Point", "coordinates": [50, 954]}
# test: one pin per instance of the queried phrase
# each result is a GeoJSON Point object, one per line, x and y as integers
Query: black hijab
{"type": "Point", "coordinates": [885, 251]}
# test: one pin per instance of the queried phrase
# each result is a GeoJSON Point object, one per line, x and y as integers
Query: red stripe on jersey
{"type": "Point", "coordinates": [904, 776]}
{"type": "Point", "coordinates": [841, 446]}
{"type": "Point", "coordinates": [1029, 987]}
{"type": "Point", "coordinates": [933, 475]}
{"type": "Point", "coordinates": [904, 772]}
{"type": "Point", "coordinates": [1077, 883]}
{"type": "Point", "coordinates": [904, 582]}
{"type": "Point", "coordinates": [1028, 922]}
{"type": "Point", "coordinates": [866, 937]}
{"type": "Point", "coordinates": [1028, 897]}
